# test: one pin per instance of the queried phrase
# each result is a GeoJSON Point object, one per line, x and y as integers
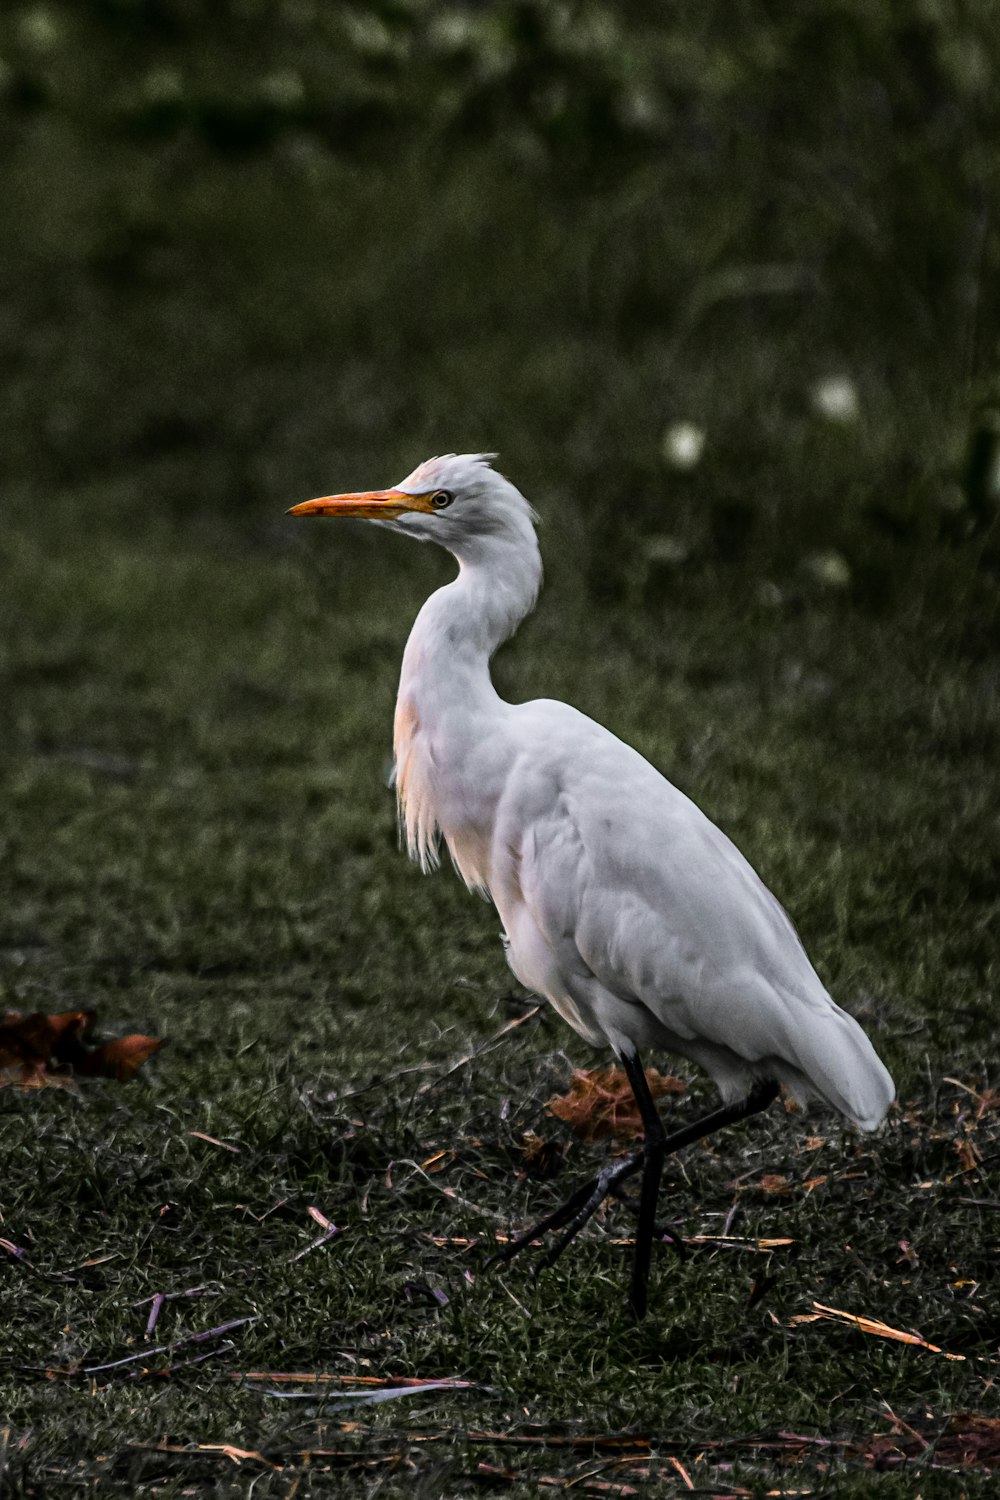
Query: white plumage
{"type": "Point", "coordinates": [622, 903]}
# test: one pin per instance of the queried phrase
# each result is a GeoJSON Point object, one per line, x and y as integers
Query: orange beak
{"type": "Point", "coordinates": [369, 505]}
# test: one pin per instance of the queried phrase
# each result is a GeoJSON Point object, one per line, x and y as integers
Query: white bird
{"type": "Point", "coordinates": [622, 904]}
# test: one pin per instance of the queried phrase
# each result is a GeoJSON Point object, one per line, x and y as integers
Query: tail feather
{"type": "Point", "coordinates": [838, 1062]}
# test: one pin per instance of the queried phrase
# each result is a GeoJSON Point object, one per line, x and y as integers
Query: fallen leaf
{"type": "Point", "coordinates": [39, 1051]}
{"type": "Point", "coordinates": [600, 1102]}
{"type": "Point", "coordinates": [968, 1153]}
{"type": "Point", "coordinates": [120, 1059]}
{"type": "Point", "coordinates": [774, 1182]}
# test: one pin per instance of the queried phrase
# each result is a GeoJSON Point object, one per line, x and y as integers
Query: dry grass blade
{"type": "Point", "coordinates": [199, 1135]}
{"type": "Point", "coordinates": [371, 1382]}
{"type": "Point", "coordinates": [873, 1326]}
{"type": "Point", "coordinates": [228, 1451]}
{"type": "Point", "coordinates": [237, 1455]}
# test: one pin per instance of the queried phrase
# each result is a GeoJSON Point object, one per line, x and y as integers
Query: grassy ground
{"type": "Point", "coordinates": [198, 840]}
{"type": "Point", "coordinates": [243, 262]}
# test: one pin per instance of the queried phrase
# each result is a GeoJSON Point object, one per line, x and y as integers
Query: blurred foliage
{"type": "Point", "coordinates": [250, 249]}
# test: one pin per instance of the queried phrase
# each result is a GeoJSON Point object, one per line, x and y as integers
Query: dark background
{"type": "Point", "coordinates": [250, 251]}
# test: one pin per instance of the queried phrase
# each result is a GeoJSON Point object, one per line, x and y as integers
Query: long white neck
{"type": "Point", "coordinates": [447, 708]}
{"type": "Point", "coordinates": [461, 625]}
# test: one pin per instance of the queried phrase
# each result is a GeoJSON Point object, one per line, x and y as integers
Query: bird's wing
{"type": "Point", "coordinates": [629, 882]}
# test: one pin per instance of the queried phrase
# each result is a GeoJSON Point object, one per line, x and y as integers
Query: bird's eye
{"type": "Point", "coordinates": [441, 499]}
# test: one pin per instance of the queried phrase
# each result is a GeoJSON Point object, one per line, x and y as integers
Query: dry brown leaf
{"type": "Point", "coordinates": [773, 1182]}
{"type": "Point", "coordinates": [39, 1051]}
{"type": "Point", "coordinates": [968, 1153]}
{"type": "Point", "coordinates": [120, 1059]}
{"type": "Point", "coordinates": [600, 1102]}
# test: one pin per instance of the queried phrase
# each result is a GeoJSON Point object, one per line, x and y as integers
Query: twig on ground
{"type": "Point", "coordinates": [154, 1313]}
{"type": "Point", "coordinates": [873, 1326]}
{"type": "Point", "coordinates": [374, 1382]}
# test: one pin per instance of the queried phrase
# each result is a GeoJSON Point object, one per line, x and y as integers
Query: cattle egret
{"type": "Point", "coordinates": [622, 904]}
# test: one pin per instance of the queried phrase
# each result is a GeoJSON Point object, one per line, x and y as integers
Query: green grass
{"type": "Point", "coordinates": [250, 256]}
{"type": "Point", "coordinates": [197, 839]}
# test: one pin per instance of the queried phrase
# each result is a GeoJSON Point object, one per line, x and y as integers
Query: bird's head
{"type": "Point", "coordinates": [457, 500]}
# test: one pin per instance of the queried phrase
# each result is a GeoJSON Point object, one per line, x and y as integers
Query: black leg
{"type": "Point", "coordinates": [655, 1138]}
{"type": "Point", "coordinates": [605, 1182]}
{"type": "Point", "coordinates": [583, 1204]}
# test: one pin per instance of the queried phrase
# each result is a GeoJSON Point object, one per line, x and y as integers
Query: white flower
{"type": "Point", "coordinates": [683, 444]}
{"type": "Point", "coordinates": [835, 397]}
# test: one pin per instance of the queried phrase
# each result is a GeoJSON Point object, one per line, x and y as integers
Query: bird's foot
{"type": "Point", "coordinates": [667, 1236]}
{"type": "Point", "coordinates": [577, 1211]}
